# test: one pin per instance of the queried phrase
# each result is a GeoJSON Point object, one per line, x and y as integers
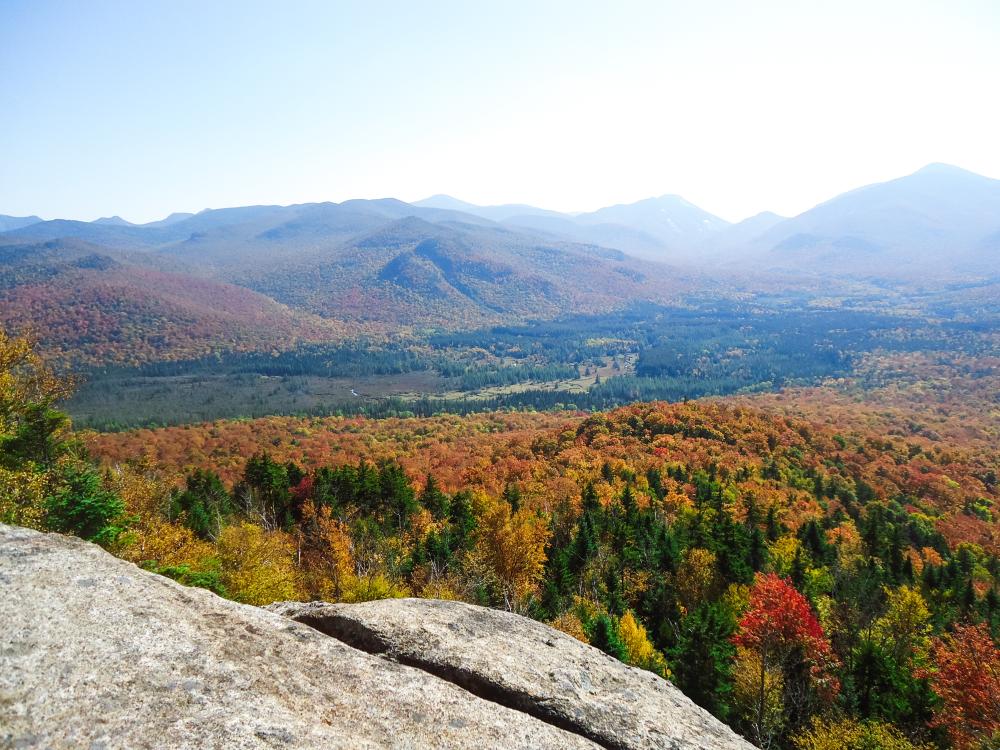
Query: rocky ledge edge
{"type": "Point", "coordinates": [95, 652]}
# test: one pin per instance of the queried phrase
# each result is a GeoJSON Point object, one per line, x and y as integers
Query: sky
{"type": "Point", "coordinates": [144, 108]}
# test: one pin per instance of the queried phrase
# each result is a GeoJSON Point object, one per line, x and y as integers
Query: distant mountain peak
{"type": "Point", "coordinates": [941, 171]}
{"type": "Point", "coordinates": [441, 200]}
{"type": "Point", "coordinates": [439, 197]}
{"type": "Point", "coordinates": [764, 216]}
{"type": "Point", "coordinates": [670, 219]}
{"type": "Point", "coordinates": [939, 167]}
{"type": "Point", "coordinates": [8, 223]}
{"type": "Point", "coordinates": [115, 221]}
{"type": "Point", "coordinates": [172, 219]}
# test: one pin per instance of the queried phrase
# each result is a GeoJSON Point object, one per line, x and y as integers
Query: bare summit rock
{"type": "Point", "coordinates": [96, 653]}
{"type": "Point", "coordinates": [527, 666]}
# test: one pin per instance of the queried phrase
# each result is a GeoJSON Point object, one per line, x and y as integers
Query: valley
{"type": "Point", "coordinates": [645, 352]}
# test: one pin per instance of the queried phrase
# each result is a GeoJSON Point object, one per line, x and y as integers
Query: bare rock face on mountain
{"type": "Point", "coordinates": [95, 652]}
{"type": "Point", "coordinates": [527, 666]}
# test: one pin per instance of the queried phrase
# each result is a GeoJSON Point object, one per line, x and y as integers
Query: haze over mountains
{"type": "Point", "coordinates": [940, 216]}
{"type": "Point", "coordinates": [937, 213]}
{"type": "Point", "coordinates": [317, 270]}
{"type": "Point", "coordinates": [113, 292]}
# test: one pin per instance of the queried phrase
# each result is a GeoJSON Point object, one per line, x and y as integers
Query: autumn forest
{"type": "Point", "coordinates": [810, 563]}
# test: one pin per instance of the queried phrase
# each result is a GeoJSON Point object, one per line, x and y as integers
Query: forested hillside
{"type": "Point", "coordinates": [802, 580]}
{"type": "Point", "coordinates": [109, 292]}
{"type": "Point", "coordinates": [88, 306]}
{"type": "Point", "coordinates": [100, 294]}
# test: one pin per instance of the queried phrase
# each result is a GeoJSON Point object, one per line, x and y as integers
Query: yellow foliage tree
{"type": "Point", "coordinates": [782, 553]}
{"type": "Point", "coordinates": [697, 577]}
{"type": "Point", "coordinates": [167, 545]}
{"type": "Point", "coordinates": [570, 624]}
{"type": "Point", "coordinates": [737, 598]}
{"type": "Point", "coordinates": [371, 587]}
{"type": "Point", "coordinates": [905, 628]}
{"type": "Point", "coordinates": [510, 549]}
{"type": "Point", "coordinates": [848, 734]}
{"type": "Point", "coordinates": [31, 432]}
{"type": "Point", "coordinates": [145, 493]}
{"type": "Point", "coordinates": [258, 567]}
{"type": "Point", "coordinates": [641, 652]}
{"type": "Point", "coordinates": [759, 701]}
{"type": "Point", "coordinates": [29, 428]}
{"type": "Point", "coordinates": [850, 550]}
{"type": "Point", "coordinates": [443, 587]}
{"type": "Point", "coordinates": [326, 554]}
{"type": "Point", "coordinates": [22, 496]}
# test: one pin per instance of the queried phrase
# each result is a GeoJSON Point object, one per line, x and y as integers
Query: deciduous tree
{"type": "Point", "coordinates": [511, 547]}
{"type": "Point", "coordinates": [258, 567]}
{"type": "Point", "coordinates": [966, 676]}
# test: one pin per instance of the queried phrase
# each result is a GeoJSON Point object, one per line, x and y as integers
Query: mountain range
{"type": "Point", "coordinates": [325, 270]}
{"type": "Point", "coordinates": [938, 214]}
{"type": "Point", "coordinates": [941, 218]}
{"type": "Point", "coordinates": [112, 292]}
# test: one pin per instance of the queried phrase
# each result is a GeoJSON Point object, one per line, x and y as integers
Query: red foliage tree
{"type": "Point", "coordinates": [781, 628]}
{"type": "Point", "coordinates": [967, 679]}
{"type": "Point", "coordinates": [779, 620]}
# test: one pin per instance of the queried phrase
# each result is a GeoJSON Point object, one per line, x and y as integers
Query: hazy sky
{"type": "Point", "coordinates": [142, 108]}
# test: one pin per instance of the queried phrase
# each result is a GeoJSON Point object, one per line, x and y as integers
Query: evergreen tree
{"type": "Point", "coordinates": [81, 505]}
{"type": "Point", "coordinates": [512, 495]}
{"type": "Point", "coordinates": [463, 522]}
{"type": "Point", "coordinates": [773, 527]}
{"type": "Point", "coordinates": [204, 504]}
{"type": "Point", "coordinates": [434, 499]}
{"type": "Point", "coordinates": [701, 659]}
{"type": "Point", "coordinates": [396, 495]}
{"type": "Point", "coordinates": [604, 635]}
{"type": "Point", "coordinates": [270, 497]}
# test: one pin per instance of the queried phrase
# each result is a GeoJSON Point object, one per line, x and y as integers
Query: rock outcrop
{"type": "Point", "coordinates": [527, 666]}
{"type": "Point", "coordinates": [95, 652]}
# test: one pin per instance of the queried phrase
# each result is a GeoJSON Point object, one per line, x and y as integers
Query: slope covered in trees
{"type": "Point", "coordinates": [87, 307]}
{"type": "Point", "coordinates": [809, 585]}
{"type": "Point", "coordinates": [104, 293]}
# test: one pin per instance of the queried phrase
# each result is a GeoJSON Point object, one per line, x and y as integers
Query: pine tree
{"type": "Point", "coordinates": [434, 499]}
{"type": "Point", "coordinates": [604, 635]}
{"type": "Point", "coordinates": [701, 660]}
{"type": "Point", "coordinates": [512, 495]}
